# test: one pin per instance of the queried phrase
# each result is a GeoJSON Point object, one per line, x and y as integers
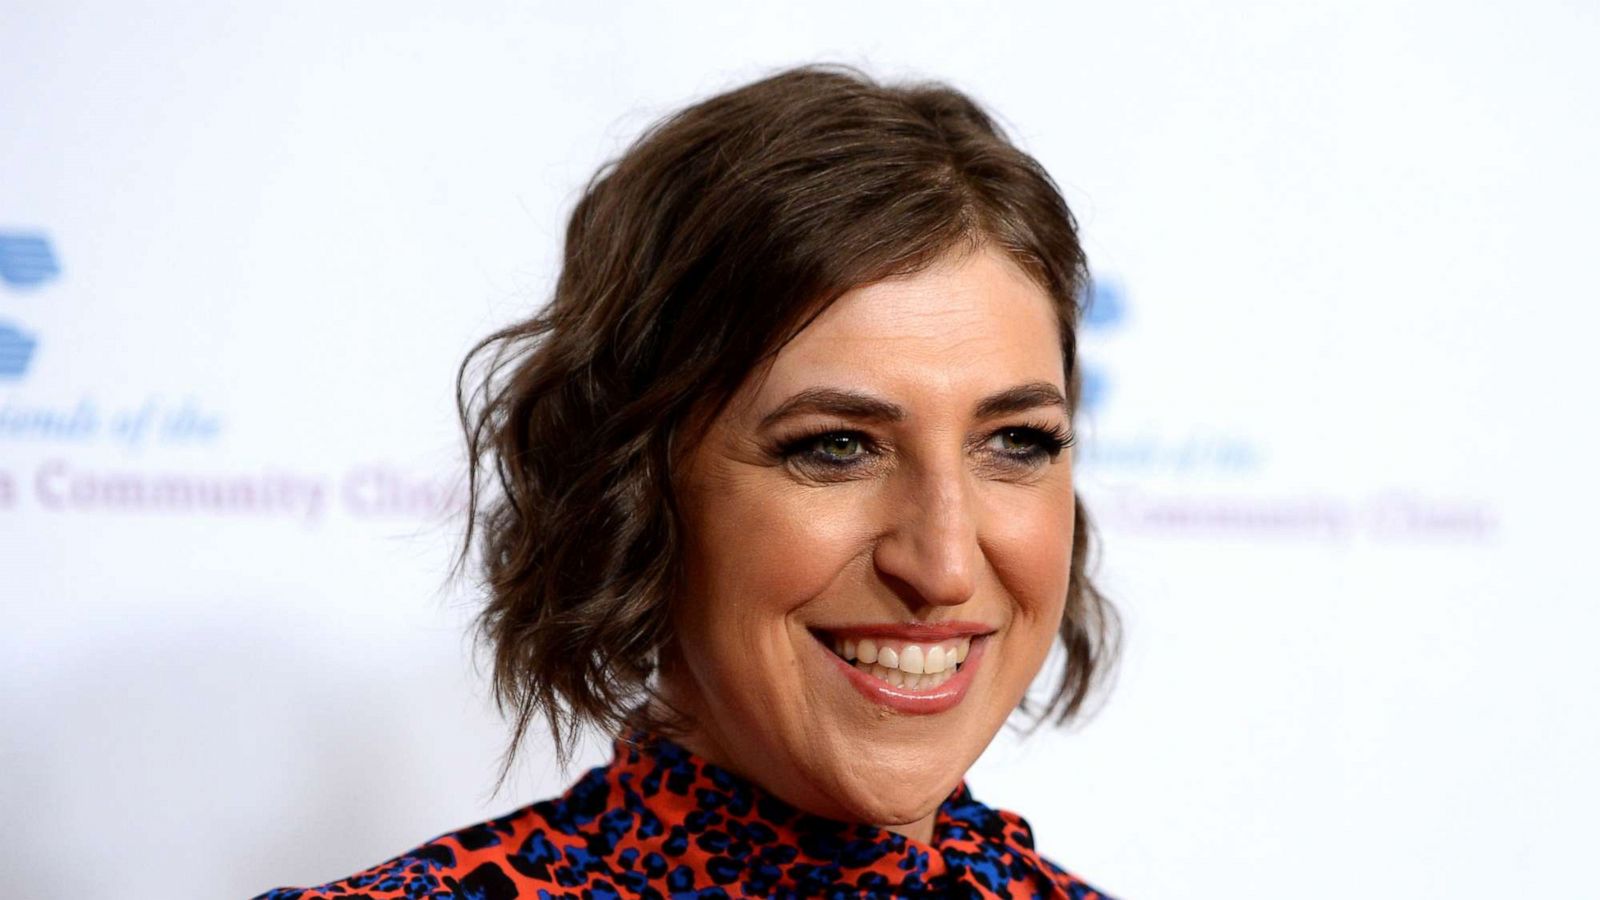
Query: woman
{"type": "Point", "coordinates": [783, 499]}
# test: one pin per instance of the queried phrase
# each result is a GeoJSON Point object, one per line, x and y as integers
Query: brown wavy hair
{"type": "Point", "coordinates": [689, 261]}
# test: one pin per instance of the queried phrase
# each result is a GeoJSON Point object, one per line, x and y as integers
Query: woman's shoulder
{"type": "Point", "coordinates": [488, 860]}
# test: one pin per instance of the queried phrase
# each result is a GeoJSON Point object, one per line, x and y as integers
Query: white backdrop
{"type": "Point", "coordinates": [1338, 445]}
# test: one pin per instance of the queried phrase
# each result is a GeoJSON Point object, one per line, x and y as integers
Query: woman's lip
{"type": "Point", "coordinates": [911, 631]}
{"type": "Point", "coordinates": [934, 700]}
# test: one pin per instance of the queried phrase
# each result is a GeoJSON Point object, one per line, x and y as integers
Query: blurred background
{"type": "Point", "coordinates": [1335, 440]}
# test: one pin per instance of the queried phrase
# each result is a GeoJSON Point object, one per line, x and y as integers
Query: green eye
{"type": "Point", "coordinates": [1029, 445]}
{"type": "Point", "coordinates": [840, 446]}
{"type": "Point", "coordinates": [830, 453]}
{"type": "Point", "coordinates": [1015, 439]}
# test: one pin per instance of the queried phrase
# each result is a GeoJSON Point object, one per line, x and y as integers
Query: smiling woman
{"type": "Point", "coordinates": [778, 491]}
{"type": "Point", "coordinates": [878, 529]}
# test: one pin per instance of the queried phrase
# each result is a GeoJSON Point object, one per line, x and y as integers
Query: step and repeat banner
{"type": "Point", "coordinates": [1336, 434]}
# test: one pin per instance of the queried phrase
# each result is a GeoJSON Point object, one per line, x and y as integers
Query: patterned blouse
{"type": "Point", "coordinates": [660, 822]}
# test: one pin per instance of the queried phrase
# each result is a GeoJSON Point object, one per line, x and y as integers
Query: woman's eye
{"type": "Point", "coordinates": [839, 446]}
{"type": "Point", "coordinates": [1013, 439]}
{"type": "Point", "coordinates": [1027, 443]}
{"type": "Point", "coordinates": [833, 449]}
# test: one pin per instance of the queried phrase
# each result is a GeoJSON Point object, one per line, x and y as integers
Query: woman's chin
{"type": "Point", "coordinates": [895, 812]}
{"type": "Point", "coordinates": [891, 796]}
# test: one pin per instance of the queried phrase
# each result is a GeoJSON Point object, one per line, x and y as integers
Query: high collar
{"type": "Point", "coordinates": [701, 816]}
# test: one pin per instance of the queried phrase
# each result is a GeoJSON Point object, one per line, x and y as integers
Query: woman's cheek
{"type": "Point", "coordinates": [1029, 544]}
{"type": "Point", "coordinates": [796, 539]}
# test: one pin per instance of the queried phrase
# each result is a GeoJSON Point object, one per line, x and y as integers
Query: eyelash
{"type": "Point", "coordinates": [1048, 441]}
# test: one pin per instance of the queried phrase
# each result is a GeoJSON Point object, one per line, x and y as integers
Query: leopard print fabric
{"type": "Point", "coordinates": [658, 823]}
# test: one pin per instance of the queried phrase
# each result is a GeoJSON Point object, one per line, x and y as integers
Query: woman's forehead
{"type": "Point", "coordinates": [973, 322]}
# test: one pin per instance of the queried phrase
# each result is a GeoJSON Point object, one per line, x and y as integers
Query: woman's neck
{"type": "Point", "coordinates": [677, 720]}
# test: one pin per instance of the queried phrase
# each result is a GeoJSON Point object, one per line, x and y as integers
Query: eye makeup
{"type": "Point", "coordinates": [839, 451]}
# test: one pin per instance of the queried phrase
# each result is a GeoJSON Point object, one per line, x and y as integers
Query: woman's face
{"type": "Point", "coordinates": [879, 536]}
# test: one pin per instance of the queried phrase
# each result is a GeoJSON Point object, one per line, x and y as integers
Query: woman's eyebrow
{"type": "Point", "coordinates": [833, 401]}
{"type": "Point", "coordinates": [856, 405]}
{"type": "Point", "coordinates": [1021, 398]}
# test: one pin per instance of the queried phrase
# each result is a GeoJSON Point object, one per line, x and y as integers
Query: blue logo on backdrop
{"type": "Point", "coordinates": [16, 349]}
{"type": "Point", "coordinates": [1107, 309]}
{"type": "Point", "coordinates": [26, 260]}
{"type": "Point", "coordinates": [1108, 304]}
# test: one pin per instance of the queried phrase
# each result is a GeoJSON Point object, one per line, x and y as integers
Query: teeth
{"type": "Point", "coordinates": [909, 666]}
{"type": "Point", "coordinates": [866, 651]}
{"type": "Point", "coordinates": [906, 680]}
{"type": "Point", "coordinates": [911, 660]}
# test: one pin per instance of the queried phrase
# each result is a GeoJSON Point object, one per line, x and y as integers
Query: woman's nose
{"type": "Point", "coordinates": [930, 551]}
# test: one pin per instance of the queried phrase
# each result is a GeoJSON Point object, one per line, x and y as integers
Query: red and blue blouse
{"type": "Point", "coordinates": [659, 822]}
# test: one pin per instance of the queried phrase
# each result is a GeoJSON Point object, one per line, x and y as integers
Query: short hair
{"type": "Point", "coordinates": [716, 237]}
